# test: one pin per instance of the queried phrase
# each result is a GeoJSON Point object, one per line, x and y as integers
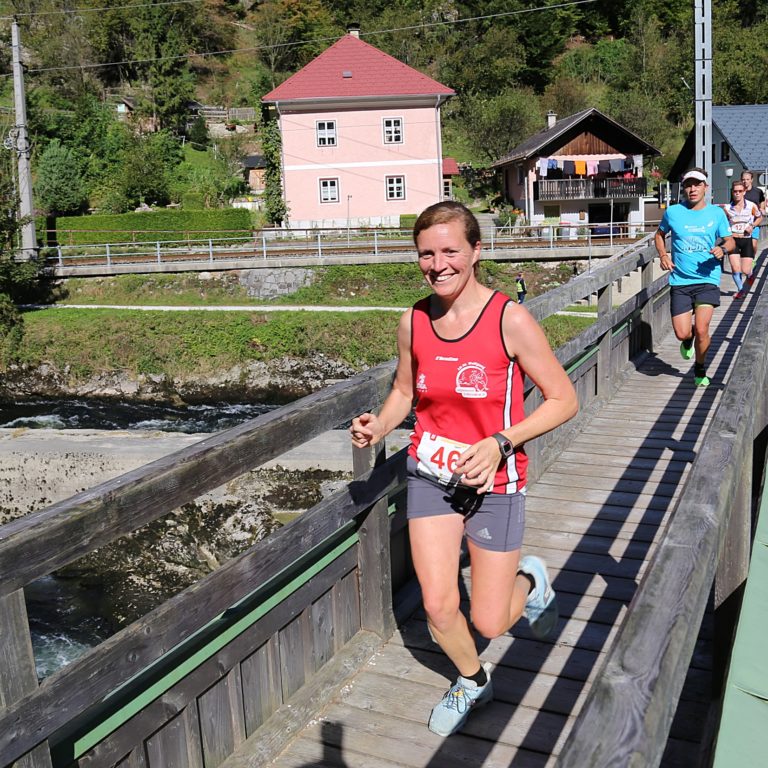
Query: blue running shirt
{"type": "Point", "coordinates": [693, 235]}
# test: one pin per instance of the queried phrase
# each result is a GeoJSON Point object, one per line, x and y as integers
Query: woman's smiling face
{"type": "Point", "coordinates": [446, 258]}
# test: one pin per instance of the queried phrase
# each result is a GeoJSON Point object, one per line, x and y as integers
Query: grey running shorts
{"type": "Point", "coordinates": [685, 298]}
{"type": "Point", "coordinates": [493, 521]}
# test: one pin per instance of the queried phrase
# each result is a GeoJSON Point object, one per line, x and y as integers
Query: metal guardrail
{"type": "Point", "coordinates": [326, 243]}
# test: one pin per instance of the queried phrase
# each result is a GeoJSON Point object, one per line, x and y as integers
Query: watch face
{"type": "Point", "coordinates": [505, 446]}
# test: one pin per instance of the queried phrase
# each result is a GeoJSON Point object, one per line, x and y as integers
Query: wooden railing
{"type": "Point", "coordinates": [248, 652]}
{"type": "Point", "coordinates": [628, 713]}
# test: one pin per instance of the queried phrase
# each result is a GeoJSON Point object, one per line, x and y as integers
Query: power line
{"type": "Point", "coordinates": [74, 11]}
{"type": "Point", "coordinates": [204, 54]}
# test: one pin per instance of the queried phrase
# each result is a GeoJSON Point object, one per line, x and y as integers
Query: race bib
{"type": "Point", "coordinates": [738, 227]}
{"type": "Point", "coordinates": [438, 457]}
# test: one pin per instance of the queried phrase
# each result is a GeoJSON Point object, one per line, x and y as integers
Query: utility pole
{"type": "Point", "coordinates": [703, 90]}
{"type": "Point", "coordinates": [23, 151]}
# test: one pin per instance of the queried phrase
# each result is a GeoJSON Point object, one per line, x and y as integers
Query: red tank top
{"type": "Point", "coordinates": [467, 388]}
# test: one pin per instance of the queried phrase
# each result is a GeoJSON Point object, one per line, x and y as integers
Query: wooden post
{"type": "Point", "coordinates": [17, 667]}
{"type": "Point", "coordinates": [731, 575]}
{"type": "Point", "coordinates": [604, 307]}
{"type": "Point", "coordinates": [646, 316]}
{"type": "Point", "coordinates": [374, 559]}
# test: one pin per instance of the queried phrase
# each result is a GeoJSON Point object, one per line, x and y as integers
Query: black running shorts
{"type": "Point", "coordinates": [745, 247]}
{"type": "Point", "coordinates": [685, 298]}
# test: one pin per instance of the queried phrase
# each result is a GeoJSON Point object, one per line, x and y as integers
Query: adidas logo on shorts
{"type": "Point", "coordinates": [484, 533]}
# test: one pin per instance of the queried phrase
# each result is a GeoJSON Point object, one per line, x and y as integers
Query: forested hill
{"type": "Point", "coordinates": [510, 61]}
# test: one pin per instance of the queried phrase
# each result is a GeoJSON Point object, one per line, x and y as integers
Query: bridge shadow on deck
{"type": "Point", "coordinates": [649, 483]}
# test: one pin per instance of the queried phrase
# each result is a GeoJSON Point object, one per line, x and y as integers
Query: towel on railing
{"type": "Point", "coordinates": [617, 165]}
{"type": "Point", "coordinates": [591, 167]}
{"type": "Point", "coordinates": [581, 167]}
{"type": "Point", "coordinates": [604, 166]}
{"type": "Point", "coordinates": [552, 164]}
{"type": "Point", "coordinates": [569, 167]}
{"type": "Point", "coordinates": [543, 166]}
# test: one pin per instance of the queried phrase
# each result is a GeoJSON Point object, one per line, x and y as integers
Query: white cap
{"type": "Point", "coordinates": [698, 175]}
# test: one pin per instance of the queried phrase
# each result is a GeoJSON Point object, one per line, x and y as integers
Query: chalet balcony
{"type": "Point", "coordinates": [586, 189]}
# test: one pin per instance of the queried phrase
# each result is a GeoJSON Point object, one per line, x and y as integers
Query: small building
{"type": "Point", "coordinates": [582, 169]}
{"type": "Point", "coordinates": [254, 167]}
{"type": "Point", "coordinates": [739, 142]}
{"type": "Point", "coordinates": [361, 138]}
{"type": "Point", "coordinates": [125, 106]}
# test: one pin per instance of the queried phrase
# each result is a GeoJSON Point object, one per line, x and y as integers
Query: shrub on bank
{"type": "Point", "coordinates": [152, 225]}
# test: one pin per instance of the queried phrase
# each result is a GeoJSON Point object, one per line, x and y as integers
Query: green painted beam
{"type": "Point", "coordinates": [229, 631]}
{"type": "Point", "coordinates": [742, 739]}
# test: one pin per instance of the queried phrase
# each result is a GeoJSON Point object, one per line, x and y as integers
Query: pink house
{"type": "Point", "coordinates": [361, 138]}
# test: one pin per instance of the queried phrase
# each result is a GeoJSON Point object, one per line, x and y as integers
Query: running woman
{"type": "Point", "coordinates": [464, 353]}
{"type": "Point", "coordinates": [743, 216]}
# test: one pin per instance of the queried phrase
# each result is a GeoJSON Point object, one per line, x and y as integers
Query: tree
{"type": "Point", "coordinates": [498, 123]}
{"type": "Point", "coordinates": [59, 187]}
{"type": "Point", "coordinates": [739, 56]}
{"type": "Point", "coordinates": [198, 135]}
{"type": "Point", "coordinates": [140, 170]}
{"type": "Point", "coordinates": [17, 279]}
{"type": "Point", "coordinates": [289, 33]}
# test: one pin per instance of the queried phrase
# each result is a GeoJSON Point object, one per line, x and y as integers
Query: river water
{"type": "Point", "coordinates": [61, 616]}
{"type": "Point", "coordinates": [101, 414]}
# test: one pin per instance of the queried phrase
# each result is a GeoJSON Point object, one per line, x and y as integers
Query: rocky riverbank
{"type": "Point", "coordinates": [274, 381]}
{"type": "Point", "coordinates": [139, 571]}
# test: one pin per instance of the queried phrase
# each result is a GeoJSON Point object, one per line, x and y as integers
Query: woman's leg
{"type": "Point", "coordinates": [436, 548]}
{"type": "Point", "coordinates": [736, 270]}
{"type": "Point", "coordinates": [499, 591]}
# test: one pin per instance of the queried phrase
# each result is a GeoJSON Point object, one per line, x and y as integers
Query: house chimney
{"type": "Point", "coordinates": [551, 119]}
{"type": "Point", "coordinates": [353, 28]}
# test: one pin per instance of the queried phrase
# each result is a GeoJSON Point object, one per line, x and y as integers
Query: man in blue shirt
{"type": "Point", "coordinates": [701, 236]}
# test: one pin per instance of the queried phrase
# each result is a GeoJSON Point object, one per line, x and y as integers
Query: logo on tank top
{"type": "Point", "coordinates": [421, 383]}
{"type": "Point", "coordinates": [471, 381]}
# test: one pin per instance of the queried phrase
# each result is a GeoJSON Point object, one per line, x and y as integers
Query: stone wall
{"type": "Point", "coordinates": [273, 282]}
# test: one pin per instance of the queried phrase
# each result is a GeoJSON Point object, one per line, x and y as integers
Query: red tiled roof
{"type": "Point", "coordinates": [450, 167]}
{"type": "Point", "coordinates": [351, 68]}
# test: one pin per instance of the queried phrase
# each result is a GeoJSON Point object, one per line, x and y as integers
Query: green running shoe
{"type": "Point", "coordinates": [686, 352]}
{"type": "Point", "coordinates": [700, 378]}
{"type": "Point", "coordinates": [701, 381]}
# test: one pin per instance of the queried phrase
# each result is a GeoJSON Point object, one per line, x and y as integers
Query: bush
{"type": "Point", "coordinates": [149, 226]}
{"type": "Point", "coordinates": [192, 201]}
{"type": "Point", "coordinates": [407, 220]}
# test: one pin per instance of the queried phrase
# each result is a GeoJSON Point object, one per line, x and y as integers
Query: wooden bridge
{"type": "Point", "coordinates": [311, 649]}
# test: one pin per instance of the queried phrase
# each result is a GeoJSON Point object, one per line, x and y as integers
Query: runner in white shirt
{"type": "Point", "coordinates": [743, 216]}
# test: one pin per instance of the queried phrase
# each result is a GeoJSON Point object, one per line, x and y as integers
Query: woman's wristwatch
{"type": "Point", "coordinates": [506, 446]}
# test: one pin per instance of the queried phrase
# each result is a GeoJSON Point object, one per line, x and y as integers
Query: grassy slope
{"type": "Point", "coordinates": [89, 341]}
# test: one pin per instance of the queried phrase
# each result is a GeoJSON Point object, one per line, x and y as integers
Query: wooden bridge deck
{"type": "Point", "coordinates": [595, 517]}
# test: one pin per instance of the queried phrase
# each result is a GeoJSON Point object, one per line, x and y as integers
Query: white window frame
{"type": "Point", "coordinates": [326, 135]}
{"type": "Point", "coordinates": [391, 188]}
{"type": "Point", "coordinates": [447, 188]}
{"type": "Point", "coordinates": [393, 130]}
{"type": "Point", "coordinates": [324, 185]}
